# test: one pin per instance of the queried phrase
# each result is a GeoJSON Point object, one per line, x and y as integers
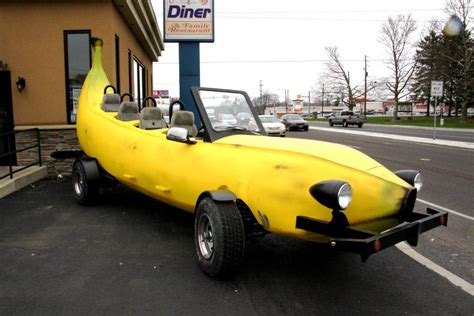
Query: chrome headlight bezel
{"type": "Point", "coordinates": [413, 177]}
{"type": "Point", "coordinates": [418, 182]}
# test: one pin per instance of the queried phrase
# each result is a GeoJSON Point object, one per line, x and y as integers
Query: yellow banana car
{"type": "Point", "coordinates": [238, 182]}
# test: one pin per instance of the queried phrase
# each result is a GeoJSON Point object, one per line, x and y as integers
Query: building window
{"type": "Point", "coordinates": [117, 62]}
{"type": "Point", "coordinates": [139, 83]}
{"type": "Point", "coordinates": [77, 57]}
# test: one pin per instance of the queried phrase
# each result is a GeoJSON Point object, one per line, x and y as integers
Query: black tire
{"type": "Point", "coordinates": [282, 135]}
{"type": "Point", "coordinates": [84, 190]}
{"type": "Point", "coordinates": [360, 125]}
{"type": "Point", "coordinates": [331, 123]}
{"type": "Point", "coordinates": [344, 123]}
{"type": "Point", "coordinates": [219, 236]}
{"type": "Point", "coordinates": [306, 128]}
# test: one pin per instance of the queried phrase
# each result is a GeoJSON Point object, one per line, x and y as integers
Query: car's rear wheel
{"type": "Point", "coordinates": [331, 123]}
{"type": "Point", "coordinates": [219, 237]}
{"type": "Point", "coordinates": [344, 123]}
{"type": "Point", "coordinates": [360, 125]}
{"type": "Point", "coordinates": [85, 190]}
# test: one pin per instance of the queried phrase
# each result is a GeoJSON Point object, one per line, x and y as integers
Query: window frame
{"type": "Point", "coordinates": [117, 63]}
{"type": "Point", "coordinates": [69, 106]}
{"type": "Point", "coordinates": [130, 80]}
{"type": "Point", "coordinates": [141, 80]}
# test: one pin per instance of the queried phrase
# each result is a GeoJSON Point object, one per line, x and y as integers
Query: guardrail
{"type": "Point", "coordinates": [10, 153]}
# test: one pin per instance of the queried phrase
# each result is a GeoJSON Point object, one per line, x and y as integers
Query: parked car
{"type": "Point", "coordinates": [294, 122]}
{"type": "Point", "coordinates": [329, 115]}
{"type": "Point", "coordinates": [272, 125]}
{"type": "Point", "coordinates": [238, 183]}
{"type": "Point", "coordinates": [243, 118]}
{"type": "Point", "coordinates": [346, 118]}
{"type": "Point", "coordinates": [228, 119]}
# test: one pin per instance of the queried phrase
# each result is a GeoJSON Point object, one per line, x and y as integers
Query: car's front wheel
{"type": "Point", "coordinates": [360, 125]}
{"type": "Point", "coordinates": [219, 237]}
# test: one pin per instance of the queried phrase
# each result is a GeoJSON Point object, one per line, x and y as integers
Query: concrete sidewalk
{"type": "Point", "coordinates": [446, 129]}
{"type": "Point", "coordinates": [413, 139]}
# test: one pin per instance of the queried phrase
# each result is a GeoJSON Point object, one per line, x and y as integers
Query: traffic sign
{"type": "Point", "coordinates": [436, 88]}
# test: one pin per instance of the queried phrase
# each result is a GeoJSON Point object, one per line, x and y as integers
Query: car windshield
{"type": "Point", "coordinates": [269, 119]}
{"type": "Point", "coordinates": [294, 117]}
{"type": "Point", "coordinates": [228, 110]}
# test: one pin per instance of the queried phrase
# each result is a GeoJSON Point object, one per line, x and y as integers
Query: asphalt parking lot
{"type": "Point", "coordinates": [130, 254]}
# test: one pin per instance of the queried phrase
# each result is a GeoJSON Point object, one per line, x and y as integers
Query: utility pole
{"type": "Point", "coordinates": [365, 85]}
{"type": "Point", "coordinates": [309, 102]}
{"type": "Point", "coordinates": [322, 102]}
{"type": "Point", "coordinates": [261, 100]}
{"type": "Point", "coordinates": [286, 100]}
{"type": "Point", "coordinates": [349, 94]}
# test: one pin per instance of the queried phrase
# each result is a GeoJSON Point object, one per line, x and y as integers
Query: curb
{"type": "Point", "coordinates": [412, 139]}
{"type": "Point", "coordinates": [447, 129]}
{"type": "Point", "coordinates": [22, 179]}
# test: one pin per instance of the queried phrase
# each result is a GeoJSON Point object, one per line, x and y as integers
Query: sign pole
{"type": "Point", "coordinates": [189, 76]}
{"type": "Point", "coordinates": [434, 115]}
{"type": "Point", "coordinates": [436, 91]}
{"type": "Point", "coordinates": [188, 23]}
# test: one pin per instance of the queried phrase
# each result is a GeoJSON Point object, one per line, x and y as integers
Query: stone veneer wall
{"type": "Point", "coordinates": [53, 139]}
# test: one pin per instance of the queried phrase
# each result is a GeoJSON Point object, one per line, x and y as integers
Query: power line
{"type": "Point", "coordinates": [276, 61]}
{"type": "Point", "coordinates": [330, 11]}
{"type": "Point", "coordinates": [314, 19]}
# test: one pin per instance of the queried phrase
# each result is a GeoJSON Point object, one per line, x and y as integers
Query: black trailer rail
{"type": "Point", "coordinates": [366, 243]}
{"type": "Point", "coordinates": [10, 152]}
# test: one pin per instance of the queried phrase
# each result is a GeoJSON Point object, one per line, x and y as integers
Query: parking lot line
{"type": "Point", "coordinates": [454, 279]}
{"type": "Point", "coordinates": [446, 209]}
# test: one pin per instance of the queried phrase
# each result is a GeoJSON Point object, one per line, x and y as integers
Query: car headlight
{"type": "Point", "coordinates": [418, 182]}
{"type": "Point", "coordinates": [413, 177]}
{"type": "Point", "coordinates": [334, 194]}
{"type": "Point", "coordinates": [344, 196]}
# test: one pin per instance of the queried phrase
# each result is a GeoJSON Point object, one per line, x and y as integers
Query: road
{"type": "Point", "coordinates": [132, 255]}
{"type": "Point", "coordinates": [446, 134]}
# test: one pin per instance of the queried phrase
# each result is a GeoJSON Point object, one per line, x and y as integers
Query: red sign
{"type": "Point", "coordinates": [161, 93]}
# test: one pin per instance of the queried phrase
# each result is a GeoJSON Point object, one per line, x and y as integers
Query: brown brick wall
{"type": "Point", "coordinates": [51, 140]}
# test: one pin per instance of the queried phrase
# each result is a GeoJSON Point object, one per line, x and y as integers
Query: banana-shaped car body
{"type": "Point", "coordinates": [240, 183]}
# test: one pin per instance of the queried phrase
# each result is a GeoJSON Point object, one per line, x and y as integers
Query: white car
{"type": "Point", "coordinates": [272, 125]}
{"type": "Point", "coordinates": [228, 119]}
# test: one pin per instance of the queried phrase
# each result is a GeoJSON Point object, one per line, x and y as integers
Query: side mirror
{"type": "Point", "coordinates": [179, 134]}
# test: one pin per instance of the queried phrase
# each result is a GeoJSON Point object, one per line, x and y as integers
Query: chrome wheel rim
{"type": "Point", "coordinates": [205, 237]}
{"type": "Point", "coordinates": [78, 184]}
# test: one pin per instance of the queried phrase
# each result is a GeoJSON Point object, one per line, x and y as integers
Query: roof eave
{"type": "Point", "coordinates": [141, 19]}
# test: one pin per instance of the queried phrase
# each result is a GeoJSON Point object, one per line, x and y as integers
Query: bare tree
{"type": "Point", "coordinates": [396, 36]}
{"type": "Point", "coordinates": [461, 53]}
{"type": "Point", "coordinates": [338, 79]}
{"type": "Point", "coordinates": [459, 8]}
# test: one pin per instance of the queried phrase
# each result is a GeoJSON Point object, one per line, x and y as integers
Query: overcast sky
{"type": "Point", "coordinates": [283, 43]}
